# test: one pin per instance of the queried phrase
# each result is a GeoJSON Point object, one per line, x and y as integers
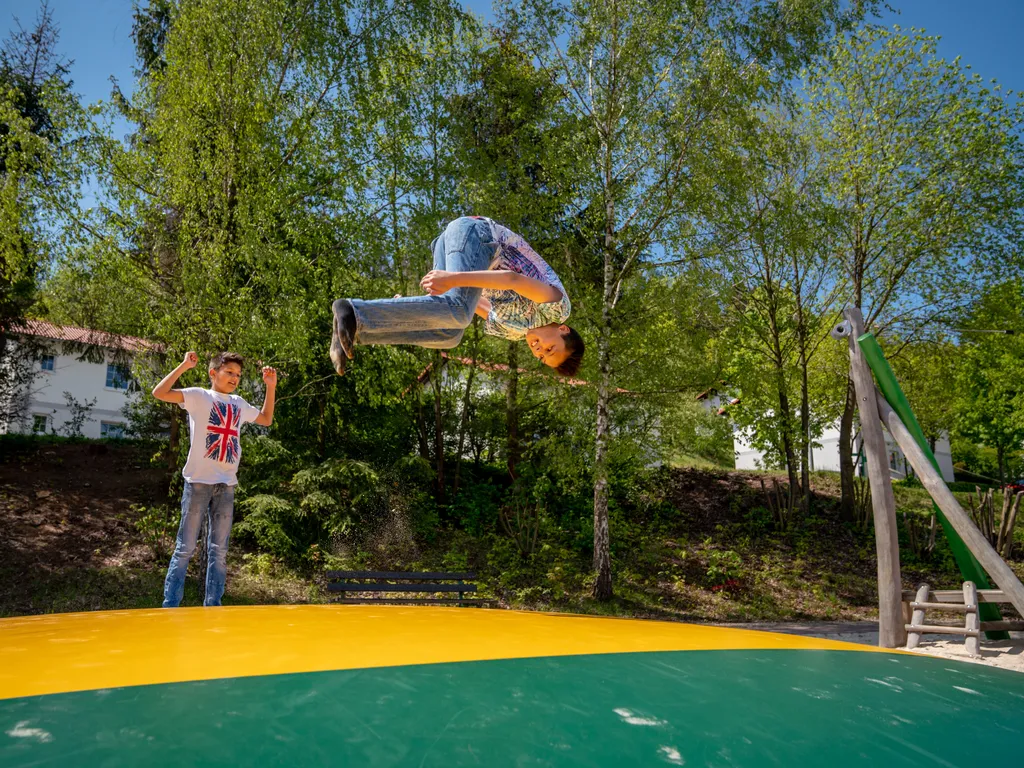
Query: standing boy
{"type": "Point", "coordinates": [215, 419]}
{"type": "Point", "coordinates": [481, 267]}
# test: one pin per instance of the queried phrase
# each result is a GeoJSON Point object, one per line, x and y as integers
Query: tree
{"type": "Point", "coordinates": [784, 293]}
{"type": "Point", "coordinates": [512, 138]}
{"type": "Point", "coordinates": [249, 196]}
{"type": "Point", "coordinates": [924, 168]}
{"type": "Point", "coordinates": [39, 121]}
{"type": "Point", "coordinates": [990, 397]}
{"type": "Point", "coordinates": [661, 91]}
{"type": "Point", "coordinates": [927, 370]}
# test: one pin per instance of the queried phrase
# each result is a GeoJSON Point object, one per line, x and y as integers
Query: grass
{"type": "Point", "coordinates": [121, 587]}
{"type": "Point", "coordinates": [684, 460]}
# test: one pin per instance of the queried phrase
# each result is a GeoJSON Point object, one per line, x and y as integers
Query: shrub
{"type": "Point", "coordinates": [724, 565]}
{"type": "Point", "coordinates": [156, 526]}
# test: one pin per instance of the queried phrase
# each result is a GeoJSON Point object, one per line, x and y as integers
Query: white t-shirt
{"type": "Point", "coordinates": [214, 423]}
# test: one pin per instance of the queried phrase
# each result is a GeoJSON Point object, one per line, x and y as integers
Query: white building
{"type": "Point", "coordinates": [92, 367]}
{"type": "Point", "coordinates": [825, 454]}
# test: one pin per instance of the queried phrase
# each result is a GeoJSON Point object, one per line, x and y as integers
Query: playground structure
{"type": "Point", "coordinates": [974, 554]}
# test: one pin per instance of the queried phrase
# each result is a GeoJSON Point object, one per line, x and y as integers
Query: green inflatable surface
{"type": "Point", "coordinates": [694, 708]}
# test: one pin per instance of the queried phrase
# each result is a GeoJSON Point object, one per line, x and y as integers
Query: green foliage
{"type": "Point", "coordinates": [267, 465]}
{"type": "Point", "coordinates": [899, 129]}
{"type": "Point", "coordinates": [476, 508]}
{"type": "Point", "coordinates": [990, 398]}
{"type": "Point", "coordinates": [265, 519]}
{"type": "Point", "coordinates": [706, 223]}
{"type": "Point", "coordinates": [337, 493]}
{"type": "Point", "coordinates": [723, 565]}
{"type": "Point", "coordinates": [156, 525]}
{"type": "Point", "coordinates": [40, 118]}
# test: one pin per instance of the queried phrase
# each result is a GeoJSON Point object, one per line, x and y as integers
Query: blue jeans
{"type": "Point", "coordinates": [432, 321]}
{"type": "Point", "coordinates": [217, 502]}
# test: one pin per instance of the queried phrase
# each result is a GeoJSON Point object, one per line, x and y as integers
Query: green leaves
{"type": "Point", "coordinates": [925, 169]}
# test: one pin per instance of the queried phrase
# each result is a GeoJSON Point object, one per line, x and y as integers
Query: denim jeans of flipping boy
{"type": "Point", "coordinates": [218, 503]}
{"type": "Point", "coordinates": [432, 321]}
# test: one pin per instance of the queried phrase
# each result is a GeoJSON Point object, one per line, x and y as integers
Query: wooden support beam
{"type": "Point", "coordinates": [1002, 626]}
{"type": "Point", "coordinates": [891, 632]}
{"type": "Point", "coordinates": [979, 546]}
{"type": "Point", "coordinates": [917, 619]}
{"type": "Point", "coordinates": [940, 629]}
{"type": "Point", "coordinates": [956, 596]}
{"type": "Point", "coordinates": [971, 601]}
{"type": "Point", "coordinates": [951, 607]}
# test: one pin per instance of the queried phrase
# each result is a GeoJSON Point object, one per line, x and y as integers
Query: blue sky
{"type": "Point", "coordinates": [96, 35]}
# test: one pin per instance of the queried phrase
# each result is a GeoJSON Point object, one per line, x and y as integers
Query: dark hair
{"type": "Point", "coordinates": [571, 364]}
{"type": "Point", "coordinates": [219, 360]}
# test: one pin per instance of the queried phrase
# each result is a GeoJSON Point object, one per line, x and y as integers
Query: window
{"type": "Point", "coordinates": [39, 423]}
{"type": "Point", "coordinates": [118, 376]}
{"type": "Point", "coordinates": [112, 429]}
{"type": "Point", "coordinates": [46, 362]}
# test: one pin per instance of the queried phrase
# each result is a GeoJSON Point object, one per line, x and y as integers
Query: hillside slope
{"type": "Point", "coordinates": [71, 539]}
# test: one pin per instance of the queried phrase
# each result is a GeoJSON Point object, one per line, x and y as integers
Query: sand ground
{"type": "Point", "coordinates": [1006, 654]}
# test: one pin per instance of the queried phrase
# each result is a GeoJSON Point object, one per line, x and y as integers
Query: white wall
{"type": "Point", "coordinates": [825, 454]}
{"type": "Point", "coordinates": [85, 381]}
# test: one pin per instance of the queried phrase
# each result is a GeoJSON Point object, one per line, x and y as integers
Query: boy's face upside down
{"type": "Point", "coordinates": [225, 379]}
{"type": "Point", "coordinates": [547, 344]}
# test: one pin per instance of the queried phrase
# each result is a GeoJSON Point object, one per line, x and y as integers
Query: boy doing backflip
{"type": "Point", "coordinates": [215, 419]}
{"type": "Point", "coordinates": [479, 267]}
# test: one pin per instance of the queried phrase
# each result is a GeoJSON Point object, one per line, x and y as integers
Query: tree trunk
{"type": "Point", "coordinates": [602, 539]}
{"type": "Point", "coordinates": [321, 428]}
{"type": "Point", "coordinates": [513, 449]}
{"type": "Point", "coordinates": [438, 427]}
{"type": "Point", "coordinates": [466, 400]}
{"type": "Point", "coordinates": [805, 418]}
{"type": "Point", "coordinates": [805, 398]}
{"type": "Point", "coordinates": [846, 504]}
{"type": "Point", "coordinates": [421, 425]}
{"type": "Point", "coordinates": [602, 542]}
{"type": "Point", "coordinates": [788, 454]}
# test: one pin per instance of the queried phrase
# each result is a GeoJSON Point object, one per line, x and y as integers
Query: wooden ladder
{"type": "Point", "coordinates": [959, 601]}
{"type": "Point", "coordinates": [971, 629]}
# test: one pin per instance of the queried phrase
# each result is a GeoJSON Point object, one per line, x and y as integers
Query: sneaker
{"type": "Point", "coordinates": [343, 336]}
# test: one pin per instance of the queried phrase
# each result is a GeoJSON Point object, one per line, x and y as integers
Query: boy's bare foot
{"type": "Point", "coordinates": [344, 334]}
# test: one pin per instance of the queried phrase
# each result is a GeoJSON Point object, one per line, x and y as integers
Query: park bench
{"type": "Point", "coordinates": [963, 601]}
{"type": "Point", "coordinates": [404, 588]}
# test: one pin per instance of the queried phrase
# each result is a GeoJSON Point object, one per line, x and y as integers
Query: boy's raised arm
{"type": "Point", "coordinates": [163, 391]}
{"type": "Point", "coordinates": [439, 281]}
{"type": "Point", "coordinates": [266, 416]}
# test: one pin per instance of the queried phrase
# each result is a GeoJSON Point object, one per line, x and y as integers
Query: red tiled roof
{"type": "Point", "coordinates": [84, 336]}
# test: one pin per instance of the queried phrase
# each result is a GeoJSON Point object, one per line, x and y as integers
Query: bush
{"type": "Point", "coordinates": [724, 565]}
{"type": "Point", "coordinates": [156, 526]}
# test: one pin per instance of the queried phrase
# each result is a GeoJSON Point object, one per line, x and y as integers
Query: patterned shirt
{"type": "Point", "coordinates": [214, 422]}
{"type": "Point", "coordinates": [512, 315]}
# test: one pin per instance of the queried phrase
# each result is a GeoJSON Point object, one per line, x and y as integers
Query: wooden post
{"type": "Point", "coordinates": [891, 631]}
{"type": "Point", "coordinates": [917, 618]}
{"type": "Point", "coordinates": [971, 601]}
{"type": "Point", "coordinates": [979, 546]}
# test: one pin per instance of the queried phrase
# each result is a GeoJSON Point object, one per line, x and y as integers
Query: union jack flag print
{"type": "Point", "coordinates": [222, 433]}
